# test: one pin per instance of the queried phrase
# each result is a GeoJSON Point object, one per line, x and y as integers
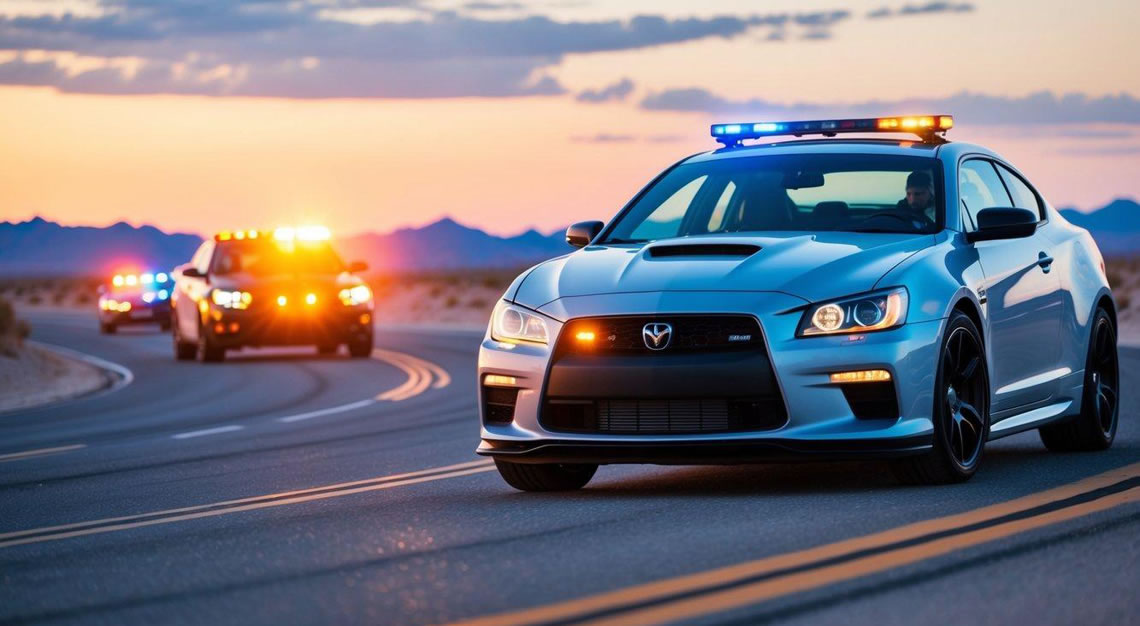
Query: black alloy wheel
{"type": "Point", "coordinates": [1095, 427]}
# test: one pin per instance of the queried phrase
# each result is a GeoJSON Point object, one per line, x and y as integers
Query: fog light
{"type": "Point", "coordinates": [234, 327]}
{"type": "Point", "coordinates": [861, 376]}
{"type": "Point", "coordinates": [365, 319]}
{"type": "Point", "coordinates": [497, 380]}
{"type": "Point", "coordinates": [219, 329]}
{"type": "Point", "coordinates": [585, 336]}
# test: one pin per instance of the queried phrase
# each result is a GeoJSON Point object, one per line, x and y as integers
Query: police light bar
{"type": "Point", "coordinates": [146, 278]}
{"type": "Point", "coordinates": [925, 126]}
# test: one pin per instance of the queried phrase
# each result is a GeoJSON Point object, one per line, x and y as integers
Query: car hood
{"type": "Point", "coordinates": [810, 266]}
{"type": "Point", "coordinates": [286, 283]}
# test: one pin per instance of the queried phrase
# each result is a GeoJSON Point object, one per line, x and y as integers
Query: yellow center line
{"type": "Point", "coordinates": [662, 590]}
{"type": "Point", "coordinates": [419, 377]}
{"type": "Point", "coordinates": [92, 527]}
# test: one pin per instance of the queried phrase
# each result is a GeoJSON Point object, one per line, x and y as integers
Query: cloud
{"type": "Point", "coordinates": [1037, 108]}
{"type": "Point", "coordinates": [617, 91]}
{"type": "Point", "coordinates": [494, 6]}
{"type": "Point", "coordinates": [930, 8]}
{"type": "Point", "coordinates": [312, 48]}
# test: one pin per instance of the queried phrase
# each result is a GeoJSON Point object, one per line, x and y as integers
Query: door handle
{"type": "Point", "coordinates": [1044, 261]}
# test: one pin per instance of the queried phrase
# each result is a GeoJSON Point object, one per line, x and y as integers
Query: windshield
{"type": "Point", "coordinates": [267, 258]}
{"type": "Point", "coordinates": [805, 192]}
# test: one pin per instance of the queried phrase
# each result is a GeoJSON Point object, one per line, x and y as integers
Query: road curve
{"type": "Point", "coordinates": [283, 487]}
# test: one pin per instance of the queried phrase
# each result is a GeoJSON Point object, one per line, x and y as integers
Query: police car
{"type": "Point", "coordinates": [283, 287]}
{"type": "Point", "coordinates": [824, 297]}
{"type": "Point", "coordinates": [130, 298]}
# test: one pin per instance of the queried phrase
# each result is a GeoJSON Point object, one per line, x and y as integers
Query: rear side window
{"type": "Point", "coordinates": [1023, 195]}
{"type": "Point", "coordinates": [979, 187]}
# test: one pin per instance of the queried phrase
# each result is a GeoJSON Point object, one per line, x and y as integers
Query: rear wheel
{"type": "Point", "coordinates": [1095, 427]}
{"type": "Point", "coordinates": [207, 350]}
{"type": "Point", "coordinates": [108, 328]}
{"type": "Point", "coordinates": [961, 411]}
{"type": "Point", "coordinates": [182, 351]}
{"type": "Point", "coordinates": [329, 348]}
{"type": "Point", "coordinates": [545, 477]}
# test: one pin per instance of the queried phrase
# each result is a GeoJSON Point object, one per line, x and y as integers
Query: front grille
{"type": "Point", "coordinates": [690, 333]}
{"type": "Point", "coordinates": [676, 416]}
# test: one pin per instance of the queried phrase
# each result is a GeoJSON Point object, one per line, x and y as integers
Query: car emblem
{"type": "Point", "coordinates": [657, 336]}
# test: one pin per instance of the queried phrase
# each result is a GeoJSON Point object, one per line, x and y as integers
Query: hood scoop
{"type": "Point", "coordinates": [735, 250]}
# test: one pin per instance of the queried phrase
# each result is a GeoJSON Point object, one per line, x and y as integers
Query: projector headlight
{"type": "Point", "coordinates": [352, 296]}
{"type": "Point", "coordinates": [513, 323]}
{"type": "Point", "coordinates": [866, 313]}
{"type": "Point", "coordinates": [231, 299]}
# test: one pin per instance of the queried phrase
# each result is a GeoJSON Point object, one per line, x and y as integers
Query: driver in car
{"type": "Point", "coordinates": [919, 195]}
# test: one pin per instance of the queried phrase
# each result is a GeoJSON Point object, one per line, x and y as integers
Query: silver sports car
{"type": "Point", "coordinates": [816, 298]}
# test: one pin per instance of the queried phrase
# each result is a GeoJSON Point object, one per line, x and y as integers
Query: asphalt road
{"type": "Point", "coordinates": [278, 488]}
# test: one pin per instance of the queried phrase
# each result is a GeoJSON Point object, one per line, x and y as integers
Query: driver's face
{"type": "Point", "coordinates": [918, 197]}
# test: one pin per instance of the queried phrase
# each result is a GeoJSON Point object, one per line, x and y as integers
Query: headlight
{"type": "Point", "coordinates": [355, 295]}
{"type": "Point", "coordinates": [513, 323]}
{"type": "Point", "coordinates": [231, 299]}
{"type": "Point", "coordinates": [869, 312]}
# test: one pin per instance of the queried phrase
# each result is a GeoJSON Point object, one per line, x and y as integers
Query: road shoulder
{"type": "Point", "coordinates": [36, 375]}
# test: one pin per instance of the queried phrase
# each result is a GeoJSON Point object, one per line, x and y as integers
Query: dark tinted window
{"type": "Point", "coordinates": [1023, 196]}
{"type": "Point", "coordinates": [805, 192]}
{"type": "Point", "coordinates": [979, 188]}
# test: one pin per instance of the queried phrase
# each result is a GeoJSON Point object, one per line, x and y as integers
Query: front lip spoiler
{"type": "Point", "coordinates": [702, 452]}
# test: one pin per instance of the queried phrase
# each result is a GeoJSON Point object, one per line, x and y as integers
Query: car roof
{"type": "Point", "coordinates": [900, 147]}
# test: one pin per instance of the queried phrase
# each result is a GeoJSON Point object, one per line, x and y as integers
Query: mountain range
{"type": "Point", "coordinates": [39, 247]}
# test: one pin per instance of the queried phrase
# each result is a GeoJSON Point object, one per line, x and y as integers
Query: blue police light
{"type": "Point", "coordinates": [925, 126]}
{"type": "Point", "coordinates": [148, 297]}
{"type": "Point", "coordinates": [147, 279]}
{"type": "Point", "coordinates": [161, 277]}
{"type": "Point", "coordinates": [163, 294]}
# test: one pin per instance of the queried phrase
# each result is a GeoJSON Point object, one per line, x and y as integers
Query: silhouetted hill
{"type": "Point", "coordinates": [42, 248]}
{"type": "Point", "coordinates": [1115, 226]}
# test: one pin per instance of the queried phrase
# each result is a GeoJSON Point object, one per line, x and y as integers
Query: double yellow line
{"type": "Point", "coordinates": [227, 507]}
{"type": "Point", "coordinates": [421, 374]}
{"type": "Point", "coordinates": [746, 584]}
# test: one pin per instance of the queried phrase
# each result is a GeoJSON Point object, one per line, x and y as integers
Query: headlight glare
{"type": "Point", "coordinates": [231, 299]}
{"type": "Point", "coordinates": [512, 323]}
{"type": "Point", "coordinates": [355, 295]}
{"type": "Point", "coordinates": [866, 313]}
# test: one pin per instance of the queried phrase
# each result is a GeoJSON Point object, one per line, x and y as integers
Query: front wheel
{"type": "Point", "coordinates": [208, 351]}
{"type": "Point", "coordinates": [1095, 427]}
{"type": "Point", "coordinates": [545, 477]}
{"type": "Point", "coordinates": [182, 351]}
{"type": "Point", "coordinates": [107, 328]}
{"type": "Point", "coordinates": [961, 411]}
{"type": "Point", "coordinates": [360, 348]}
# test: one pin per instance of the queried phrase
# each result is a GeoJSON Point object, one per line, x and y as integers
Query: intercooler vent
{"type": "Point", "coordinates": [664, 416]}
{"type": "Point", "coordinates": [499, 404]}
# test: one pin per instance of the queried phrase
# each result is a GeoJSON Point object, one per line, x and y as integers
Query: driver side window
{"type": "Point", "coordinates": [979, 187]}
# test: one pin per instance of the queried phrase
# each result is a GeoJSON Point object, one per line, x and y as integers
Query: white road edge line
{"type": "Point", "coordinates": [208, 431]}
{"type": "Point", "coordinates": [27, 454]}
{"type": "Point", "coordinates": [329, 411]}
{"type": "Point", "coordinates": [125, 375]}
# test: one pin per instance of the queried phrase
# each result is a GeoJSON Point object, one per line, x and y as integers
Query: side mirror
{"type": "Point", "coordinates": [357, 266]}
{"type": "Point", "coordinates": [1003, 223]}
{"type": "Point", "coordinates": [581, 234]}
{"type": "Point", "coordinates": [192, 272]}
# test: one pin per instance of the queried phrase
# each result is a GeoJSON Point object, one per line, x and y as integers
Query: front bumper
{"type": "Point", "coordinates": [820, 422]}
{"type": "Point", "coordinates": [237, 328]}
{"type": "Point", "coordinates": [140, 313]}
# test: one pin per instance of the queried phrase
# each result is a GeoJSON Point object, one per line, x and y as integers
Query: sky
{"type": "Point", "coordinates": [370, 115]}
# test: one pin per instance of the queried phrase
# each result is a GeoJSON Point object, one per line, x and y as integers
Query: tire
{"type": "Point", "coordinates": [108, 328]}
{"type": "Point", "coordinates": [182, 351]}
{"type": "Point", "coordinates": [1095, 427]}
{"type": "Point", "coordinates": [545, 477]}
{"type": "Point", "coordinates": [360, 348]}
{"type": "Point", "coordinates": [207, 351]}
{"type": "Point", "coordinates": [328, 348]}
{"type": "Point", "coordinates": [164, 327]}
{"type": "Point", "coordinates": [961, 411]}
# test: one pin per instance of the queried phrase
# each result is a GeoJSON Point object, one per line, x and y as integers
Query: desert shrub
{"type": "Point", "coordinates": [83, 297]}
{"type": "Point", "coordinates": [478, 303]}
{"type": "Point", "coordinates": [1122, 300]}
{"type": "Point", "coordinates": [451, 302]}
{"type": "Point", "coordinates": [7, 317]}
{"type": "Point", "coordinates": [35, 299]}
{"type": "Point", "coordinates": [59, 296]}
{"type": "Point", "coordinates": [436, 291]}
